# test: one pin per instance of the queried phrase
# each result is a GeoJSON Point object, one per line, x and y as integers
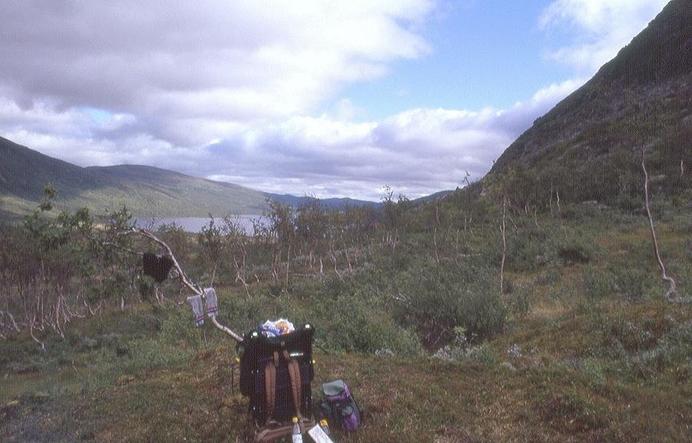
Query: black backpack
{"type": "Point", "coordinates": [276, 372]}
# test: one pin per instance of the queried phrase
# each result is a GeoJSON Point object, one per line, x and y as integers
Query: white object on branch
{"type": "Point", "coordinates": [185, 281]}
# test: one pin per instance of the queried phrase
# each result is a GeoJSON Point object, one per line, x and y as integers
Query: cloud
{"type": "Point", "coordinates": [597, 29]}
{"type": "Point", "coordinates": [417, 152]}
{"type": "Point", "coordinates": [173, 64]}
{"type": "Point", "coordinates": [233, 90]}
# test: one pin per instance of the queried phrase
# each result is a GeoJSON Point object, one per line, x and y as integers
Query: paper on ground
{"type": "Point", "coordinates": [318, 435]}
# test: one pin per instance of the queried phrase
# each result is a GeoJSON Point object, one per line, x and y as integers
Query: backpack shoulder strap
{"type": "Point", "coordinates": [296, 382]}
{"type": "Point", "coordinates": [270, 384]}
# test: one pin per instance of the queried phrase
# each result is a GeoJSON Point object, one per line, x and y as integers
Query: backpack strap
{"type": "Point", "coordinates": [296, 382]}
{"type": "Point", "coordinates": [270, 384]}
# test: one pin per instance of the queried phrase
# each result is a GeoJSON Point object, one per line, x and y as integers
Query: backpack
{"type": "Point", "coordinates": [276, 372]}
{"type": "Point", "coordinates": [339, 406]}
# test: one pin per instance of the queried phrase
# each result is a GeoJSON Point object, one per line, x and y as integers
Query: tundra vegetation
{"type": "Point", "coordinates": [508, 310]}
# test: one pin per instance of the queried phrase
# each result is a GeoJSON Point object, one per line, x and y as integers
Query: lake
{"type": "Point", "coordinates": [195, 224]}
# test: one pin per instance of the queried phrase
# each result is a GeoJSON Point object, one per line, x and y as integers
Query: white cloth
{"type": "Point", "coordinates": [197, 309]}
{"type": "Point", "coordinates": [212, 302]}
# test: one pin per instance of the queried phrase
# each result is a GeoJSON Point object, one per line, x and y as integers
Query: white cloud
{"type": "Point", "coordinates": [417, 152]}
{"type": "Point", "coordinates": [173, 63]}
{"type": "Point", "coordinates": [230, 90]}
{"type": "Point", "coordinates": [597, 29]}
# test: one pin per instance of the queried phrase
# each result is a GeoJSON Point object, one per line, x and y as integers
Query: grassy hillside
{"type": "Point", "coordinates": [153, 191]}
{"type": "Point", "coordinates": [329, 203]}
{"type": "Point", "coordinates": [147, 191]}
{"type": "Point", "coordinates": [589, 146]}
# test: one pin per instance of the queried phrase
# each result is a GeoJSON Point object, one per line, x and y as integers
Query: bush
{"type": "Point", "coordinates": [575, 248]}
{"type": "Point", "coordinates": [347, 316]}
{"type": "Point", "coordinates": [548, 277]}
{"type": "Point", "coordinates": [438, 298]}
{"type": "Point", "coordinates": [347, 323]}
{"type": "Point", "coordinates": [527, 249]}
{"type": "Point", "coordinates": [461, 350]}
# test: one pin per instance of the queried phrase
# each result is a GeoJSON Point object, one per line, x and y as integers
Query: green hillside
{"type": "Point", "coordinates": [147, 191]}
{"type": "Point", "coordinates": [589, 146]}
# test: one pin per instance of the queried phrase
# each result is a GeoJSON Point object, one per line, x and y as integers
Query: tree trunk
{"type": "Point", "coordinates": [672, 288]}
{"type": "Point", "coordinates": [504, 245]}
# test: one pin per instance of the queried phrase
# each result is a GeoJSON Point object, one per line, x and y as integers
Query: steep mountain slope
{"type": "Point", "coordinates": [589, 145]}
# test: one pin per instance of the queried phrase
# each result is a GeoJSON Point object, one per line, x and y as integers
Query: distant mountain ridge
{"type": "Point", "coordinates": [145, 190]}
{"type": "Point", "coordinates": [329, 203]}
{"type": "Point", "coordinates": [589, 145]}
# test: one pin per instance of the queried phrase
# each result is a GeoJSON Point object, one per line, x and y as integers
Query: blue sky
{"type": "Point", "coordinates": [303, 96]}
{"type": "Point", "coordinates": [482, 53]}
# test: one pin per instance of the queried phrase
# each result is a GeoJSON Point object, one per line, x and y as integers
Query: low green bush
{"type": "Point", "coordinates": [436, 298]}
{"type": "Point", "coordinates": [575, 247]}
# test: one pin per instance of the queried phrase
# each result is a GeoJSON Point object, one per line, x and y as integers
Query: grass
{"type": "Point", "coordinates": [420, 399]}
{"type": "Point", "coordinates": [580, 360]}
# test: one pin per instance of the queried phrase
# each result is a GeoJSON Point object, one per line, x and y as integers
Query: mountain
{"type": "Point", "coordinates": [589, 146]}
{"type": "Point", "coordinates": [329, 203]}
{"type": "Point", "coordinates": [145, 190]}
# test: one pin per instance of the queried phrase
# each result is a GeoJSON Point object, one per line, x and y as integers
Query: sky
{"type": "Point", "coordinates": [323, 98]}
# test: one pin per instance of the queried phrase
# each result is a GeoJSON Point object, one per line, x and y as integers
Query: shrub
{"type": "Point", "coordinates": [350, 324]}
{"type": "Point", "coordinates": [347, 316]}
{"type": "Point", "coordinates": [548, 277]}
{"type": "Point", "coordinates": [438, 298]}
{"type": "Point", "coordinates": [575, 249]}
{"type": "Point", "coordinates": [593, 369]}
{"type": "Point", "coordinates": [571, 412]}
{"type": "Point", "coordinates": [527, 249]}
{"type": "Point", "coordinates": [461, 349]}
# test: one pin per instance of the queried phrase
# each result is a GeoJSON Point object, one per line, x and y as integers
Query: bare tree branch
{"type": "Point", "coordinates": [185, 280]}
{"type": "Point", "coordinates": [672, 289]}
{"type": "Point", "coordinates": [503, 229]}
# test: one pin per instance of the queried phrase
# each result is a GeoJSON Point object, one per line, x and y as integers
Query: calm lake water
{"type": "Point", "coordinates": [195, 224]}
